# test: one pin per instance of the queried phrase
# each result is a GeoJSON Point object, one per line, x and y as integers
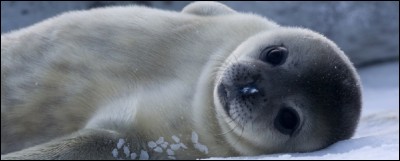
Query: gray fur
{"type": "Point", "coordinates": [101, 83]}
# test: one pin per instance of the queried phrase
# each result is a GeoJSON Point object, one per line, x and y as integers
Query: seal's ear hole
{"type": "Point", "coordinates": [274, 55]}
{"type": "Point", "coordinates": [286, 121]}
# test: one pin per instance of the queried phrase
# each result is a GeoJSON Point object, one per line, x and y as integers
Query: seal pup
{"type": "Point", "coordinates": [141, 83]}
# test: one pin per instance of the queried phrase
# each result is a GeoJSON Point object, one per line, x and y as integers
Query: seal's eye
{"type": "Point", "coordinates": [275, 55]}
{"type": "Point", "coordinates": [286, 121]}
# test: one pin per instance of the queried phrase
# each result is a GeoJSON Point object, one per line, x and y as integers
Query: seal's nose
{"type": "Point", "coordinates": [249, 90]}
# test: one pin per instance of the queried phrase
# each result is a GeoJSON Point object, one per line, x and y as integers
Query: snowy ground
{"type": "Point", "coordinates": [377, 136]}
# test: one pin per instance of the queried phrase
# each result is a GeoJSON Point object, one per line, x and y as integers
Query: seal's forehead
{"type": "Point", "coordinates": [308, 46]}
{"type": "Point", "coordinates": [301, 40]}
{"type": "Point", "coordinates": [307, 49]}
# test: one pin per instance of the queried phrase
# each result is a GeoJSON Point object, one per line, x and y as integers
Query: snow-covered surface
{"type": "Point", "coordinates": [377, 136]}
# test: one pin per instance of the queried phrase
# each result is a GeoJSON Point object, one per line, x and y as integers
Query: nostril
{"type": "Point", "coordinates": [249, 90]}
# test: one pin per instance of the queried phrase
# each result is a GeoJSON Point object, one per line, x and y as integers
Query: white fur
{"type": "Point", "coordinates": [123, 72]}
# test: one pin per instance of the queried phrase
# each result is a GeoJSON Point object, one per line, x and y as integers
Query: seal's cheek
{"type": "Point", "coordinates": [223, 97]}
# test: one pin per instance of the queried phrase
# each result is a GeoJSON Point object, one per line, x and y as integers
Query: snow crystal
{"type": "Point", "coordinates": [195, 137]}
{"type": "Point", "coordinates": [164, 145]}
{"type": "Point", "coordinates": [126, 151]}
{"type": "Point", "coordinates": [120, 143]}
{"type": "Point", "coordinates": [158, 150]}
{"type": "Point", "coordinates": [115, 153]}
{"type": "Point", "coordinates": [170, 152]}
{"type": "Point", "coordinates": [160, 140]}
{"type": "Point", "coordinates": [151, 144]}
{"type": "Point", "coordinates": [176, 139]}
{"type": "Point", "coordinates": [133, 155]}
{"type": "Point", "coordinates": [175, 146]}
{"type": "Point", "coordinates": [144, 155]}
{"type": "Point", "coordinates": [201, 148]}
{"type": "Point", "coordinates": [183, 146]}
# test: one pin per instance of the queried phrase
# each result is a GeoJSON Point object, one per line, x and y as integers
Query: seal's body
{"type": "Point", "coordinates": [138, 83]}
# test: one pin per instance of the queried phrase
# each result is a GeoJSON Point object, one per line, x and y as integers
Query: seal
{"type": "Point", "coordinates": [141, 83]}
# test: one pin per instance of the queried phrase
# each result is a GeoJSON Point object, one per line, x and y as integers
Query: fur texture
{"type": "Point", "coordinates": [87, 84]}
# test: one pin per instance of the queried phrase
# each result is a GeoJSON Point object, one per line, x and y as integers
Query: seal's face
{"type": "Point", "coordinates": [288, 90]}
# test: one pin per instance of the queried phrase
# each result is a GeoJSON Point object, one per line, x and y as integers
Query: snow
{"type": "Point", "coordinates": [152, 144]}
{"type": "Point", "coordinates": [197, 145]}
{"type": "Point", "coordinates": [164, 145]}
{"type": "Point", "coordinates": [377, 136]}
{"type": "Point", "coordinates": [144, 155]}
{"type": "Point", "coordinates": [175, 146]}
{"type": "Point", "coordinates": [160, 140]}
{"type": "Point", "coordinates": [176, 139]}
{"type": "Point", "coordinates": [126, 151]}
{"type": "Point", "coordinates": [195, 137]}
{"type": "Point", "coordinates": [170, 152]}
{"type": "Point", "coordinates": [158, 149]}
{"type": "Point", "coordinates": [133, 155]}
{"type": "Point", "coordinates": [183, 146]}
{"type": "Point", "coordinates": [120, 143]}
{"type": "Point", "coordinates": [201, 148]}
{"type": "Point", "coordinates": [114, 152]}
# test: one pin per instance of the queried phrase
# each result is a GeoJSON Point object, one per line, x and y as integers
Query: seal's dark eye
{"type": "Point", "coordinates": [275, 55]}
{"type": "Point", "coordinates": [286, 121]}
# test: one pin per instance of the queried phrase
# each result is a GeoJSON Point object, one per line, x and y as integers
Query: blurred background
{"type": "Point", "coordinates": [368, 32]}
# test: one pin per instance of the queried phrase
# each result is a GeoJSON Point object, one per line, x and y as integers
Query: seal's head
{"type": "Point", "coordinates": [287, 90]}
